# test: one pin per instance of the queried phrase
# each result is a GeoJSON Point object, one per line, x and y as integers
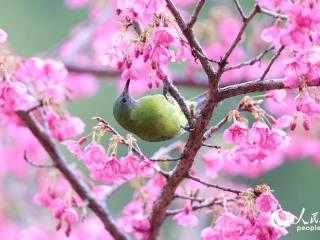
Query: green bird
{"type": "Point", "coordinates": [153, 118]}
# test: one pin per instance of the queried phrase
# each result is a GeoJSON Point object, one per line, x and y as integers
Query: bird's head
{"type": "Point", "coordinates": [124, 104]}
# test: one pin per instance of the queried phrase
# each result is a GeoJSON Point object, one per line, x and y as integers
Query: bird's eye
{"type": "Point", "coordinates": [124, 100]}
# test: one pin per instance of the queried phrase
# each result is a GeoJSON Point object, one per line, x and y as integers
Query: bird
{"type": "Point", "coordinates": [153, 118]}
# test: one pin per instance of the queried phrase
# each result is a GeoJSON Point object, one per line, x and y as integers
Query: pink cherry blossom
{"type": "Point", "coordinates": [271, 34]}
{"type": "Point", "coordinates": [129, 74]}
{"type": "Point", "coordinates": [266, 203]}
{"type": "Point", "coordinates": [259, 133]}
{"type": "Point", "coordinates": [308, 106]}
{"type": "Point", "coordinates": [147, 168]}
{"type": "Point", "coordinates": [186, 218]}
{"type": "Point", "coordinates": [131, 9]}
{"type": "Point", "coordinates": [278, 96]}
{"type": "Point", "coordinates": [16, 97]}
{"type": "Point", "coordinates": [109, 170]}
{"type": "Point", "coordinates": [236, 133]}
{"type": "Point", "coordinates": [141, 225]}
{"type": "Point", "coordinates": [163, 36]}
{"type": "Point", "coordinates": [74, 147]}
{"type": "Point", "coordinates": [64, 127]}
{"type": "Point", "coordinates": [93, 154]}
{"type": "Point", "coordinates": [114, 57]}
{"type": "Point", "coordinates": [66, 215]}
{"type": "Point", "coordinates": [129, 166]}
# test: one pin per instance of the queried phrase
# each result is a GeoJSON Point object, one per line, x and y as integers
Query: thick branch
{"type": "Point", "coordinates": [195, 138]}
{"type": "Point", "coordinates": [193, 42]}
{"type": "Point", "coordinates": [75, 181]}
{"type": "Point", "coordinates": [249, 87]}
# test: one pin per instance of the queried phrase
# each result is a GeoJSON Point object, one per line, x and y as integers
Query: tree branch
{"type": "Point", "coordinates": [75, 181]}
{"type": "Point", "coordinates": [193, 199]}
{"type": "Point", "coordinates": [174, 92]}
{"type": "Point", "coordinates": [193, 144]}
{"type": "Point", "coordinates": [225, 58]}
{"type": "Point", "coordinates": [196, 13]}
{"type": "Point", "coordinates": [193, 42]}
{"type": "Point", "coordinates": [164, 151]}
{"type": "Point", "coordinates": [240, 10]}
{"type": "Point", "coordinates": [273, 14]}
{"type": "Point", "coordinates": [272, 61]}
{"type": "Point", "coordinates": [250, 62]}
{"type": "Point", "coordinates": [214, 185]}
{"type": "Point", "coordinates": [208, 134]}
{"type": "Point", "coordinates": [215, 201]}
{"type": "Point", "coordinates": [249, 87]}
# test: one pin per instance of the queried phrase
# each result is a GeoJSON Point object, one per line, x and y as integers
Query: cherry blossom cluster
{"type": "Point", "coordinates": [56, 195]}
{"type": "Point", "coordinates": [152, 50]}
{"type": "Point", "coordinates": [103, 164]}
{"type": "Point", "coordinates": [262, 218]}
{"type": "Point", "coordinates": [141, 40]}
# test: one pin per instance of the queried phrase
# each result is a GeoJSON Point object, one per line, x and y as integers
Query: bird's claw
{"type": "Point", "coordinates": [165, 92]}
{"type": "Point", "coordinates": [187, 128]}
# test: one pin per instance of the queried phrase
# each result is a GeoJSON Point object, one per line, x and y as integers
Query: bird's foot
{"type": "Point", "coordinates": [187, 128]}
{"type": "Point", "coordinates": [165, 91]}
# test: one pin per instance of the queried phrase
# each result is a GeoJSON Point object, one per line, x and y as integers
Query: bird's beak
{"type": "Point", "coordinates": [126, 88]}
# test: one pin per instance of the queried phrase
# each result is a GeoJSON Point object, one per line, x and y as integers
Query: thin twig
{"type": "Point", "coordinates": [114, 189]}
{"type": "Point", "coordinates": [238, 38]}
{"type": "Point", "coordinates": [162, 154]}
{"type": "Point", "coordinates": [214, 185]}
{"type": "Point", "coordinates": [215, 201]}
{"type": "Point", "coordinates": [273, 14]}
{"type": "Point", "coordinates": [193, 199]}
{"type": "Point", "coordinates": [272, 61]}
{"type": "Point", "coordinates": [174, 92]}
{"type": "Point", "coordinates": [211, 146]}
{"type": "Point", "coordinates": [208, 134]}
{"type": "Point", "coordinates": [75, 181]}
{"type": "Point", "coordinates": [165, 151]}
{"type": "Point", "coordinates": [25, 157]}
{"type": "Point", "coordinates": [240, 10]}
{"type": "Point", "coordinates": [109, 128]}
{"type": "Point", "coordinates": [196, 13]}
{"type": "Point", "coordinates": [250, 62]}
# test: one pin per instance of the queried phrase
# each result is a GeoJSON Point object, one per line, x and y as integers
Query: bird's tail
{"type": "Point", "coordinates": [199, 100]}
